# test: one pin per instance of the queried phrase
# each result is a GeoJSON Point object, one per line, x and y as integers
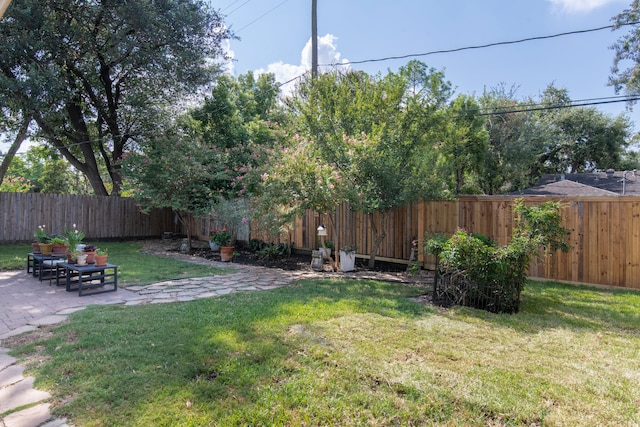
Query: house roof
{"type": "Point", "coordinates": [566, 188]}
{"type": "Point", "coordinates": [609, 183]}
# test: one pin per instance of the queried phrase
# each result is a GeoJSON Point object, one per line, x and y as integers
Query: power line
{"type": "Point", "coordinates": [579, 102]}
{"type": "Point", "coordinates": [228, 6]}
{"type": "Point", "coordinates": [238, 7]}
{"type": "Point", "coordinates": [262, 16]}
{"type": "Point", "coordinates": [482, 46]}
{"type": "Point", "coordinates": [543, 107]}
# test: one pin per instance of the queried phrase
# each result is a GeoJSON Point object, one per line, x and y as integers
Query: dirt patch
{"type": "Point", "coordinates": [42, 333]}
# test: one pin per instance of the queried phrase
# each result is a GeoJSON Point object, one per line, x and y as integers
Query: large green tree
{"type": "Point", "coordinates": [212, 154]}
{"type": "Point", "coordinates": [552, 137]}
{"type": "Point", "coordinates": [581, 139]}
{"type": "Point", "coordinates": [625, 72]}
{"type": "Point", "coordinates": [464, 142]}
{"type": "Point", "coordinates": [517, 138]}
{"type": "Point", "coordinates": [242, 118]}
{"type": "Point", "coordinates": [179, 172]}
{"type": "Point", "coordinates": [100, 78]}
{"type": "Point", "coordinates": [369, 135]}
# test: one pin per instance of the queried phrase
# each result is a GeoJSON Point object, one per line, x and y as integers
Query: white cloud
{"type": "Point", "coordinates": [226, 49]}
{"type": "Point", "coordinates": [327, 52]}
{"type": "Point", "coordinates": [327, 56]}
{"type": "Point", "coordinates": [571, 6]}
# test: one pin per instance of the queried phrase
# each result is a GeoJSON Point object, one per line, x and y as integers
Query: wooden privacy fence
{"type": "Point", "coordinates": [99, 217]}
{"type": "Point", "coordinates": [604, 233]}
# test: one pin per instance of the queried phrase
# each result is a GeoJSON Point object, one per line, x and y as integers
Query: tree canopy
{"type": "Point", "coordinates": [359, 138]}
{"type": "Point", "coordinates": [626, 49]}
{"type": "Point", "coordinates": [99, 79]}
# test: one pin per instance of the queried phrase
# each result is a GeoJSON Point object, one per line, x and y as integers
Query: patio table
{"type": "Point", "coordinates": [38, 264]}
{"type": "Point", "coordinates": [89, 279]}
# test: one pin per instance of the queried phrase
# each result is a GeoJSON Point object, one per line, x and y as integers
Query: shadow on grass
{"type": "Point", "coordinates": [148, 365]}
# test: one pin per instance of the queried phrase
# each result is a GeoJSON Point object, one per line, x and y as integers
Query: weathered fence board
{"type": "Point", "coordinates": [97, 216]}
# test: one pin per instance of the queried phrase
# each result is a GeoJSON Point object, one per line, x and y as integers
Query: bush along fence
{"type": "Point", "coordinates": [99, 217]}
{"type": "Point", "coordinates": [474, 271]}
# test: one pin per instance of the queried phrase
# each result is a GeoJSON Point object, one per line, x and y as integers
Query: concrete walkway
{"type": "Point", "coordinates": [26, 304]}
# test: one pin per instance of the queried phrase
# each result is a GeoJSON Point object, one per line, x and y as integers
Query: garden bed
{"type": "Point", "coordinates": [292, 262]}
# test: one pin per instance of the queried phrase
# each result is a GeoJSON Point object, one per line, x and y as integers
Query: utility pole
{"type": "Point", "coordinates": [4, 4]}
{"type": "Point", "coordinates": [314, 38]}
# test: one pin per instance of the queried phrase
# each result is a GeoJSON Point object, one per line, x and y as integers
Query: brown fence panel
{"type": "Point", "coordinates": [99, 217]}
{"type": "Point", "coordinates": [604, 233]}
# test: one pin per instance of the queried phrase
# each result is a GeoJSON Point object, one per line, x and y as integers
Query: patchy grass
{"type": "Point", "coordinates": [345, 352]}
{"type": "Point", "coordinates": [14, 256]}
{"type": "Point", "coordinates": [134, 267]}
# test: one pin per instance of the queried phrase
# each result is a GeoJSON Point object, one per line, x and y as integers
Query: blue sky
{"type": "Point", "coordinates": [273, 35]}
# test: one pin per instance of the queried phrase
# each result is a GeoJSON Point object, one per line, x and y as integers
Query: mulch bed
{"type": "Point", "coordinates": [292, 262]}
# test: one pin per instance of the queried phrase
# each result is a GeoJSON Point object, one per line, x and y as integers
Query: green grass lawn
{"type": "Point", "coordinates": [134, 267]}
{"type": "Point", "coordinates": [347, 353]}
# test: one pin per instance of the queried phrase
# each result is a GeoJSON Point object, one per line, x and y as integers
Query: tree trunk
{"type": "Point", "coordinates": [182, 217]}
{"type": "Point", "coordinates": [459, 179]}
{"type": "Point", "coordinates": [15, 146]}
{"type": "Point", "coordinates": [377, 238]}
{"type": "Point", "coordinates": [89, 167]}
{"type": "Point", "coordinates": [332, 263]}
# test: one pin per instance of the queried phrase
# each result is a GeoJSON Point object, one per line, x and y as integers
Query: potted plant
{"type": "Point", "coordinates": [227, 245]}
{"type": "Point", "coordinates": [101, 257]}
{"type": "Point", "coordinates": [81, 258]}
{"type": "Point", "coordinates": [228, 216]}
{"type": "Point", "coordinates": [58, 246]}
{"type": "Point", "coordinates": [348, 257]}
{"type": "Point", "coordinates": [43, 239]}
{"type": "Point", "coordinates": [72, 256]}
{"type": "Point", "coordinates": [90, 250]}
{"type": "Point", "coordinates": [73, 237]}
{"type": "Point", "coordinates": [218, 237]}
{"type": "Point", "coordinates": [39, 236]}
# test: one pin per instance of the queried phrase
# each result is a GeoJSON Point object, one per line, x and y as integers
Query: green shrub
{"type": "Point", "coordinates": [474, 271]}
{"type": "Point", "coordinates": [255, 245]}
{"type": "Point", "coordinates": [273, 251]}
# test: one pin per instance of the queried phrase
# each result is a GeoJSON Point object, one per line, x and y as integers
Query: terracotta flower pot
{"type": "Point", "coordinates": [101, 260]}
{"type": "Point", "coordinates": [91, 257]}
{"type": "Point", "coordinates": [226, 253]}
{"type": "Point", "coordinates": [35, 247]}
{"type": "Point", "coordinates": [59, 249]}
{"type": "Point", "coordinates": [71, 257]}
